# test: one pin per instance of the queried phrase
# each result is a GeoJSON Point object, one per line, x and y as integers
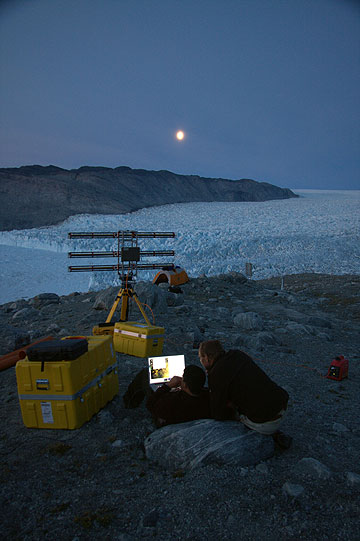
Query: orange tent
{"type": "Point", "coordinates": [174, 277]}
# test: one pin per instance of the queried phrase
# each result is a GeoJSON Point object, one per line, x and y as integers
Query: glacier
{"type": "Point", "coordinates": [317, 232]}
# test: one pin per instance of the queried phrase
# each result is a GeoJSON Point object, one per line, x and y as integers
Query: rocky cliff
{"type": "Point", "coordinates": [33, 196]}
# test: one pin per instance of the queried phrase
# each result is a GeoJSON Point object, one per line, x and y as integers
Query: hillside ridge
{"type": "Point", "coordinates": [35, 195]}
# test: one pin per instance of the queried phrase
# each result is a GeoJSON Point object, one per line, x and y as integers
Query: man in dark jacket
{"type": "Point", "coordinates": [179, 400]}
{"type": "Point", "coordinates": [239, 386]}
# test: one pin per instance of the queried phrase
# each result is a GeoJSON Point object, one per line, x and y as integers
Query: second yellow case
{"type": "Point", "coordinates": [138, 339]}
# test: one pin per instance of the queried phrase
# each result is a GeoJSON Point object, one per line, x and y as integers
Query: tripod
{"type": "Point", "coordinates": [124, 295]}
{"type": "Point", "coordinates": [128, 256]}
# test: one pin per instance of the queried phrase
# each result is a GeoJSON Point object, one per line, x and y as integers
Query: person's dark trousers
{"type": "Point", "coordinates": [137, 390]}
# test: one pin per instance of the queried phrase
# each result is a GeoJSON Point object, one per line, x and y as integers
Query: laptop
{"type": "Point", "coordinates": [162, 369]}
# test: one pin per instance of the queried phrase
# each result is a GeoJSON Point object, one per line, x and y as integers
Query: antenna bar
{"type": "Point", "coordinates": [123, 235]}
{"type": "Point", "coordinates": [152, 253]}
{"type": "Point", "coordinates": [115, 253]}
{"type": "Point", "coordinates": [142, 266]}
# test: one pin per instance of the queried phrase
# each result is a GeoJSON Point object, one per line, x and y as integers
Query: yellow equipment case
{"type": "Point", "coordinates": [63, 383]}
{"type": "Point", "coordinates": [103, 329]}
{"type": "Point", "coordinates": [138, 339]}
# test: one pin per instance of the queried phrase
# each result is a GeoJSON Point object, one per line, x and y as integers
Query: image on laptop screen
{"type": "Point", "coordinates": [162, 369]}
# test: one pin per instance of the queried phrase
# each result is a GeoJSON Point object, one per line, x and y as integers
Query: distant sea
{"type": "Point", "coordinates": [326, 193]}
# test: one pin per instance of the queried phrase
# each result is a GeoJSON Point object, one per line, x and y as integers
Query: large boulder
{"type": "Point", "coordinates": [206, 441]}
{"type": "Point", "coordinates": [249, 321]}
{"type": "Point", "coordinates": [152, 295]}
{"type": "Point", "coordinates": [26, 314]}
{"type": "Point", "coordinates": [105, 299]}
{"type": "Point", "coordinates": [44, 299]}
{"type": "Point", "coordinates": [147, 293]}
{"type": "Point", "coordinates": [258, 341]}
{"type": "Point", "coordinates": [12, 338]}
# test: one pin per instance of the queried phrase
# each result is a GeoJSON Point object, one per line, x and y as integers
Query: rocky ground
{"type": "Point", "coordinates": [96, 483]}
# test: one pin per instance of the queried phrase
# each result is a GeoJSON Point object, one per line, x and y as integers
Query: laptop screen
{"type": "Point", "coordinates": [162, 369]}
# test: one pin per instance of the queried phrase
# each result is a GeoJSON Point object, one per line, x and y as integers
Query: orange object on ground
{"type": "Point", "coordinates": [10, 359]}
{"type": "Point", "coordinates": [174, 277]}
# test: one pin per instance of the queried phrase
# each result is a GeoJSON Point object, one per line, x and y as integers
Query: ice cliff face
{"type": "Point", "coordinates": [33, 196]}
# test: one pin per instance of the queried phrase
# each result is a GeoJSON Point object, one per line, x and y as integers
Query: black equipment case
{"type": "Point", "coordinates": [57, 350]}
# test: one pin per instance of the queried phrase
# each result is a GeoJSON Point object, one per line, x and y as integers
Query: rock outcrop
{"type": "Point", "coordinates": [33, 196]}
{"type": "Point", "coordinates": [199, 443]}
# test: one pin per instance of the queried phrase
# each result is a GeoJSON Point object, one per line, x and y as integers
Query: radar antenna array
{"type": "Point", "coordinates": [129, 261]}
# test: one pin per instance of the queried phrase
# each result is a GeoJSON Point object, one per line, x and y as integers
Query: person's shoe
{"type": "Point", "coordinates": [136, 391]}
{"type": "Point", "coordinates": [282, 440]}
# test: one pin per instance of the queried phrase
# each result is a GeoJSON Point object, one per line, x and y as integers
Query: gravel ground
{"type": "Point", "coordinates": [96, 483]}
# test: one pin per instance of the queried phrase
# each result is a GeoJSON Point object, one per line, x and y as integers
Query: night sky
{"type": "Point", "coordinates": [262, 89]}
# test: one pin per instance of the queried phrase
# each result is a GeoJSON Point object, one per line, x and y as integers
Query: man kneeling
{"type": "Point", "coordinates": [239, 387]}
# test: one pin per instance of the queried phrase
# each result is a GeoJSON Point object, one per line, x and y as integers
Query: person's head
{"type": "Point", "coordinates": [209, 351]}
{"type": "Point", "coordinates": [193, 379]}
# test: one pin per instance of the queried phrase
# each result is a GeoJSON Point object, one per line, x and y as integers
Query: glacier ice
{"type": "Point", "coordinates": [319, 232]}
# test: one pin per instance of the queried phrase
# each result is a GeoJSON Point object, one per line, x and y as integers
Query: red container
{"type": "Point", "coordinates": [339, 368]}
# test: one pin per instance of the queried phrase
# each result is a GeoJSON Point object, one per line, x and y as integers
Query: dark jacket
{"type": "Point", "coordinates": [177, 406]}
{"type": "Point", "coordinates": [236, 378]}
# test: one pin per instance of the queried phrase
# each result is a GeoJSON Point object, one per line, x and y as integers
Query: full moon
{"type": "Point", "coordinates": [180, 135]}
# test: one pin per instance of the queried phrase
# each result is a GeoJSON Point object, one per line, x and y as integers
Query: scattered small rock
{"type": "Point", "coordinates": [249, 321]}
{"type": "Point", "coordinates": [292, 490]}
{"type": "Point", "coordinates": [313, 467]}
{"type": "Point", "coordinates": [26, 313]}
{"type": "Point", "coordinates": [353, 478]}
{"type": "Point", "coordinates": [339, 428]}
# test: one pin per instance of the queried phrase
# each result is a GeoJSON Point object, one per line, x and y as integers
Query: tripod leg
{"type": "Point", "coordinates": [114, 306]}
{"type": "Point", "coordinates": [124, 307]}
{"type": "Point", "coordinates": [141, 308]}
